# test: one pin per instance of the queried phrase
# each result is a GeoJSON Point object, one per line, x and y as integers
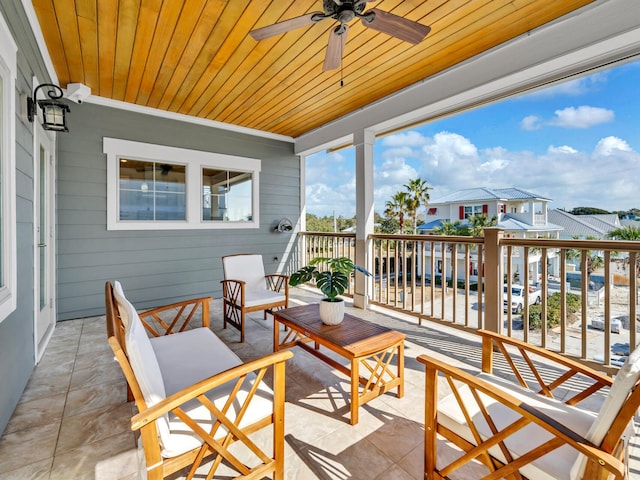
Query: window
{"type": "Point", "coordinates": [471, 210]}
{"type": "Point", "coordinates": [152, 191]}
{"type": "Point", "coordinates": [158, 187]}
{"type": "Point", "coordinates": [8, 260]}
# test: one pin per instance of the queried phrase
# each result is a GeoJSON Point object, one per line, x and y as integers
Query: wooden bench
{"type": "Point", "coordinates": [195, 397]}
{"type": "Point", "coordinates": [538, 428]}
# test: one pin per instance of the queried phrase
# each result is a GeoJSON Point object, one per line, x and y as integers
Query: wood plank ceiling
{"type": "Point", "coordinates": [195, 57]}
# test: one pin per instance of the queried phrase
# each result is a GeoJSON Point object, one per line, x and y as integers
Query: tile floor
{"type": "Point", "coordinates": [73, 420]}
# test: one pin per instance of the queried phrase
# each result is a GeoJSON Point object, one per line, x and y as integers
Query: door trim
{"type": "Point", "coordinates": [38, 133]}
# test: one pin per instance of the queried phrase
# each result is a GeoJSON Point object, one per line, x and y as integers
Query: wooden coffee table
{"type": "Point", "coordinates": [368, 347]}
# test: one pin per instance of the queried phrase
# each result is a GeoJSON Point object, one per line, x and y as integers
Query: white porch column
{"type": "Point", "coordinates": [363, 141]}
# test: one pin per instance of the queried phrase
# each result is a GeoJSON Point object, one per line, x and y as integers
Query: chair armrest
{"type": "Point", "coordinates": [233, 291]}
{"type": "Point", "coordinates": [179, 398]}
{"type": "Point", "coordinates": [563, 367]}
{"type": "Point", "coordinates": [276, 282]}
{"type": "Point", "coordinates": [175, 317]}
{"type": "Point", "coordinates": [528, 414]}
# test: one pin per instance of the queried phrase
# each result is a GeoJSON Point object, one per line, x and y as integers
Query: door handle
{"type": "Point", "coordinates": [41, 245]}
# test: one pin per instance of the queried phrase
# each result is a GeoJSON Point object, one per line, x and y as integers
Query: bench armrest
{"type": "Point", "coordinates": [527, 415]}
{"type": "Point", "coordinates": [175, 317]}
{"type": "Point", "coordinates": [180, 398]}
{"type": "Point", "coordinates": [558, 369]}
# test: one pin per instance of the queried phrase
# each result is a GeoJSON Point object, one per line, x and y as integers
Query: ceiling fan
{"type": "Point", "coordinates": [344, 11]}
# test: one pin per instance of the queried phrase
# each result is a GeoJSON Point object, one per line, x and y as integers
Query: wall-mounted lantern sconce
{"type": "Point", "coordinates": [284, 225]}
{"type": "Point", "coordinates": [53, 111]}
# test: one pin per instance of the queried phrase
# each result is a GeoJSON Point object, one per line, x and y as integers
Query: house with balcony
{"type": "Point", "coordinates": [520, 213]}
{"type": "Point", "coordinates": [177, 138]}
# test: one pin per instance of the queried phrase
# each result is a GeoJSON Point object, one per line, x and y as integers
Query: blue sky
{"type": "Point", "coordinates": [577, 143]}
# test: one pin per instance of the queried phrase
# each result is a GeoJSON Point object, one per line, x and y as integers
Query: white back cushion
{"type": "Point", "coordinates": [626, 378]}
{"type": "Point", "coordinates": [140, 352]}
{"type": "Point", "coordinates": [248, 268]}
{"type": "Point", "coordinates": [121, 300]}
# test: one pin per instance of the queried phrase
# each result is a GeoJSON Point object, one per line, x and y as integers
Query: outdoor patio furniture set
{"type": "Point", "coordinates": [196, 398]}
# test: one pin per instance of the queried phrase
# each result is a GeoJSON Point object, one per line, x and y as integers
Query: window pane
{"type": "Point", "coordinates": [152, 191]}
{"type": "Point", "coordinates": [226, 195]}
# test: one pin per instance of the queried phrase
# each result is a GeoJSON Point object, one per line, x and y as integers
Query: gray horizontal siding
{"type": "Point", "coordinates": [156, 266]}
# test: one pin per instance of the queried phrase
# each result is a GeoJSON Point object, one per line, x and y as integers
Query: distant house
{"type": "Point", "coordinates": [584, 226]}
{"type": "Point", "coordinates": [522, 214]}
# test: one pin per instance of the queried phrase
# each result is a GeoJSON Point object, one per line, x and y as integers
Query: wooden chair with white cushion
{"type": "Point", "coordinates": [196, 399]}
{"type": "Point", "coordinates": [540, 432]}
{"type": "Point", "coordinates": [246, 288]}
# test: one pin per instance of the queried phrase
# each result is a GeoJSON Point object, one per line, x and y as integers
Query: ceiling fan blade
{"type": "Point", "coordinates": [335, 49]}
{"type": "Point", "coordinates": [385, 22]}
{"type": "Point", "coordinates": [285, 26]}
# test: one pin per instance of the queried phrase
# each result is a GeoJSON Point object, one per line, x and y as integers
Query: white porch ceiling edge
{"type": "Point", "coordinates": [599, 34]}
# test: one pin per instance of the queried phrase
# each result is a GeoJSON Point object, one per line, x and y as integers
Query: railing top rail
{"type": "Point", "coordinates": [620, 245]}
{"type": "Point", "coordinates": [328, 234]}
{"type": "Point", "coordinates": [428, 238]}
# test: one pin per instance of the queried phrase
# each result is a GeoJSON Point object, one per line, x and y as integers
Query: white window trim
{"type": "Point", "coordinates": [195, 161]}
{"type": "Point", "coordinates": [8, 71]}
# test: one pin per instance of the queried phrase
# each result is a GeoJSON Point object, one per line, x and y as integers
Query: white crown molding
{"type": "Point", "coordinates": [132, 107]}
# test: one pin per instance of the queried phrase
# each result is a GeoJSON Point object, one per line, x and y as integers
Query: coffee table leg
{"type": "Point", "coordinates": [401, 369]}
{"type": "Point", "coordinates": [276, 334]}
{"type": "Point", "coordinates": [355, 389]}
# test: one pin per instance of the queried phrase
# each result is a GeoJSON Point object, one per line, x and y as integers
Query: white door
{"type": "Point", "coordinates": [44, 260]}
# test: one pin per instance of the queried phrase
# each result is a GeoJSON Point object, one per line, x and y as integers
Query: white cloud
{"type": "Point", "coordinates": [411, 138]}
{"type": "Point", "coordinates": [610, 145]}
{"type": "Point", "coordinates": [571, 177]}
{"type": "Point", "coordinates": [581, 117]}
{"type": "Point", "coordinates": [531, 122]}
{"type": "Point", "coordinates": [566, 149]}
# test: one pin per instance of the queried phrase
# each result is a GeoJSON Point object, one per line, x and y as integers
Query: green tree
{"type": "Point", "coordinates": [627, 233]}
{"type": "Point", "coordinates": [594, 259]}
{"type": "Point", "coordinates": [396, 208]}
{"type": "Point", "coordinates": [418, 195]}
{"type": "Point", "coordinates": [477, 224]}
{"type": "Point", "coordinates": [451, 228]}
{"type": "Point", "coordinates": [389, 225]}
{"type": "Point", "coordinates": [588, 211]}
{"type": "Point", "coordinates": [573, 304]}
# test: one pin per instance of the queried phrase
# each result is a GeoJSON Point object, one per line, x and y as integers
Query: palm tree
{"type": "Point", "coordinates": [418, 195]}
{"type": "Point", "coordinates": [627, 233]}
{"type": "Point", "coordinates": [477, 224]}
{"type": "Point", "coordinates": [396, 208]}
{"type": "Point", "coordinates": [594, 259]}
{"type": "Point", "coordinates": [451, 228]}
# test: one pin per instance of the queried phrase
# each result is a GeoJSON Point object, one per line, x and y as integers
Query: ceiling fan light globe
{"type": "Point", "coordinates": [345, 16]}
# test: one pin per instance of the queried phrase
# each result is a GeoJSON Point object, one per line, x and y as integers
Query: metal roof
{"type": "Point", "coordinates": [581, 225]}
{"type": "Point", "coordinates": [483, 193]}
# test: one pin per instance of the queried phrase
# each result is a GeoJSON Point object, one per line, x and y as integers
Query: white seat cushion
{"type": "Point", "coordinates": [251, 299]}
{"type": "Point", "coordinates": [212, 357]}
{"type": "Point", "coordinates": [557, 464]}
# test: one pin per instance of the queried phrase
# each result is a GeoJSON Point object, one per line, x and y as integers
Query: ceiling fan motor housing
{"type": "Point", "coordinates": [344, 10]}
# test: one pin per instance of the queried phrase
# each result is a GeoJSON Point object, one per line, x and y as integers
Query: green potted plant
{"type": "Point", "coordinates": [331, 282]}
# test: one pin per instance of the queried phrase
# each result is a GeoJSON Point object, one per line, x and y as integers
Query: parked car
{"type": "Point", "coordinates": [517, 297]}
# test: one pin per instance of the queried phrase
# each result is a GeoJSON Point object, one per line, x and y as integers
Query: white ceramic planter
{"type": "Point", "coordinates": [331, 313]}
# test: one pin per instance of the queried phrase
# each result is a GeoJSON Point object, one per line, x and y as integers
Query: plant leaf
{"type": "Point", "coordinates": [304, 275]}
{"type": "Point", "coordinates": [332, 284]}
